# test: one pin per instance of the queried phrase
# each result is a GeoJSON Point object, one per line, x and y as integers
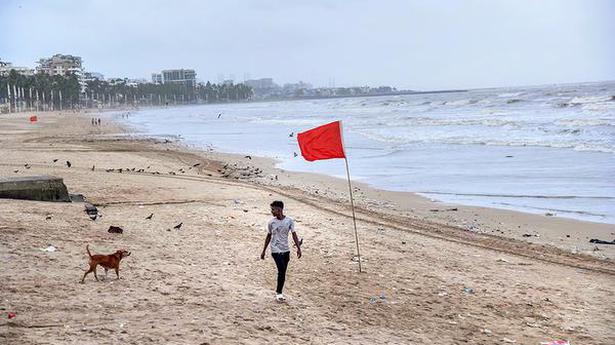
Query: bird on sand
{"type": "Point", "coordinates": [68, 164]}
{"type": "Point", "coordinates": [178, 226]}
{"type": "Point", "coordinates": [150, 216]}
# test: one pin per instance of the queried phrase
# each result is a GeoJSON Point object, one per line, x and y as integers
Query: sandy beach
{"type": "Point", "coordinates": [434, 273]}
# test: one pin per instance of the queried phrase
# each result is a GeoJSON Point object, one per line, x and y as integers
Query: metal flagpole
{"type": "Point", "coordinates": [354, 220]}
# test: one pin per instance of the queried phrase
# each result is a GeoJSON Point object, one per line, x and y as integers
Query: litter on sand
{"type": "Point", "coordinates": [50, 248]}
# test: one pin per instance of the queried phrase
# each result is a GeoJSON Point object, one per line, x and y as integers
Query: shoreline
{"type": "Point", "coordinates": [516, 224]}
{"type": "Point", "coordinates": [521, 183]}
{"type": "Point", "coordinates": [440, 282]}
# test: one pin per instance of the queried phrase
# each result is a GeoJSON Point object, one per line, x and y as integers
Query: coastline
{"type": "Point", "coordinates": [418, 258]}
{"type": "Point", "coordinates": [569, 234]}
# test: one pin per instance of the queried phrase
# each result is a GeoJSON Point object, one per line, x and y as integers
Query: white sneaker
{"type": "Point", "coordinates": [280, 298]}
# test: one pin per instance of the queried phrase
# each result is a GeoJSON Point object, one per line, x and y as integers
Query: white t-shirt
{"type": "Point", "coordinates": [279, 230]}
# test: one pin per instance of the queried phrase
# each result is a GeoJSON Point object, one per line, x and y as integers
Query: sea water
{"type": "Point", "coordinates": [533, 149]}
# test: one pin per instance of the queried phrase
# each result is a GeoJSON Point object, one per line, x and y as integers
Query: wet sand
{"type": "Point", "coordinates": [432, 274]}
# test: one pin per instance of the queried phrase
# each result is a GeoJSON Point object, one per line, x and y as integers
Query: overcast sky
{"type": "Point", "coordinates": [409, 44]}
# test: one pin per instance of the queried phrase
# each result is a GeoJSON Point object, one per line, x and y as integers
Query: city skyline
{"type": "Point", "coordinates": [408, 45]}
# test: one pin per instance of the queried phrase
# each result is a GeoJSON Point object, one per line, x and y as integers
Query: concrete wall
{"type": "Point", "coordinates": [43, 188]}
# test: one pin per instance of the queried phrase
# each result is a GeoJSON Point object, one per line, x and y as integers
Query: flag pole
{"type": "Point", "coordinates": [354, 220]}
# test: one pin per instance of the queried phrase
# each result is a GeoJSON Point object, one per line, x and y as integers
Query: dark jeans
{"type": "Point", "coordinates": [281, 261]}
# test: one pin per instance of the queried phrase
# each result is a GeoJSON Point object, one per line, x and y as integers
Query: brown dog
{"type": "Point", "coordinates": [106, 261]}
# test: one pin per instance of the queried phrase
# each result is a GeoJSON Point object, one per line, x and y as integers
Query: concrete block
{"type": "Point", "coordinates": [42, 188]}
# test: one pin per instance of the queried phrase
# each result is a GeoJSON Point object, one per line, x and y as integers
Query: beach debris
{"type": "Point", "coordinates": [295, 154]}
{"type": "Point", "coordinates": [403, 242]}
{"type": "Point", "coordinates": [49, 249]}
{"type": "Point", "coordinates": [468, 290]}
{"type": "Point", "coordinates": [178, 226]}
{"type": "Point", "coordinates": [549, 214]}
{"type": "Point", "coordinates": [27, 166]}
{"type": "Point", "coordinates": [110, 170]}
{"type": "Point", "coordinates": [356, 259]}
{"type": "Point", "coordinates": [55, 160]}
{"type": "Point", "coordinates": [506, 340]}
{"type": "Point", "coordinates": [246, 211]}
{"type": "Point", "coordinates": [291, 134]}
{"type": "Point", "coordinates": [530, 235]}
{"type": "Point", "coordinates": [16, 171]}
{"type": "Point", "coordinates": [115, 230]}
{"type": "Point", "coordinates": [150, 216]}
{"type": "Point", "coordinates": [248, 157]}
{"type": "Point", "coordinates": [93, 167]}
{"type": "Point", "coordinates": [68, 164]}
{"type": "Point", "coordinates": [555, 342]}
{"type": "Point", "coordinates": [509, 156]}
{"type": "Point", "coordinates": [378, 299]}
{"type": "Point", "coordinates": [597, 241]}
{"type": "Point", "coordinates": [196, 165]}
{"type": "Point", "coordinates": [91, 210]}
{"type": "Point", "coordinates": [11, 315]}
{"type": "Point", "coordinates": [48, 217]}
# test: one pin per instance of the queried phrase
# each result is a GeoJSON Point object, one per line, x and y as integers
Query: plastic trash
{"type": "Point", "coordinates": [555, 342]}
{"type": "Point", "coordinates": [468, 290]}
{"type": "Point", "coordinates": [11, 315]}
{"type": "Point", "coordinates": [50, 248]}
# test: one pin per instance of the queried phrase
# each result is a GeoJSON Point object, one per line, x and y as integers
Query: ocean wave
{"type": "Point", "coordinates": [554, 209]}
{"type": "Point", "coordinates": [408, 139]}
{"type": "Point", "coordinates": [493, 195]}
{"type": "Point", "coordinates": [590, 99]}
{"type": "Point", "coordinates": [510, 94]}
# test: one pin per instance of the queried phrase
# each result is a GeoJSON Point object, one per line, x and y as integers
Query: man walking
{"type": "Point", "coordinates": [277, 234]}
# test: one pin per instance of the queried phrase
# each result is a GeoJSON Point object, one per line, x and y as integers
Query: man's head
{"type": "Point", "coordinates": [277, 208]}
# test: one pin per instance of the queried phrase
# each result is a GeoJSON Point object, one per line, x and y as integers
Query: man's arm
{"type": "Point", "coordinates": [267, 240]}
{"type": "Point", "coordinates": [298, 244]}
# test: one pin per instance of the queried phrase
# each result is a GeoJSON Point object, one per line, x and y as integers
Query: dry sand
{"type": "Point", "coordinates": [204, 284]}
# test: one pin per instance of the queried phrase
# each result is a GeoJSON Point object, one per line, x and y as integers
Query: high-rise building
{"type": "Point", "coordinates": [179, 76]}
{"type": "Point", "coordinates": [263, 83]}
{"type": "Point", "coordinates": [60, 64]}
{"type": "Point", "coordinates": [157, 78]}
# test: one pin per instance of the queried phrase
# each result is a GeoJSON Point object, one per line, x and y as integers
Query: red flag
{"type": "Point", "coordinates": [324, 142]}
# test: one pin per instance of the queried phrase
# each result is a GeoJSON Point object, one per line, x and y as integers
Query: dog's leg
{"type": "Point", "coordinates": [92, 269]}
{"type": "Point", "coordinates": [117, 272]}
{"type": "Point", "coordinates": [106, 270]}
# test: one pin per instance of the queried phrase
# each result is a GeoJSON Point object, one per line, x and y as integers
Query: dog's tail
{"type": "Point", "coordinates": [87, 247]}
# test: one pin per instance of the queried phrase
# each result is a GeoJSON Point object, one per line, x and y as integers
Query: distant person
{"type": "Point", "coordinates": [277, 234]}
{"type": "Point", "coordinates": [219, 115]}
{"type": "Point", "coordinates": [99, 121]}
